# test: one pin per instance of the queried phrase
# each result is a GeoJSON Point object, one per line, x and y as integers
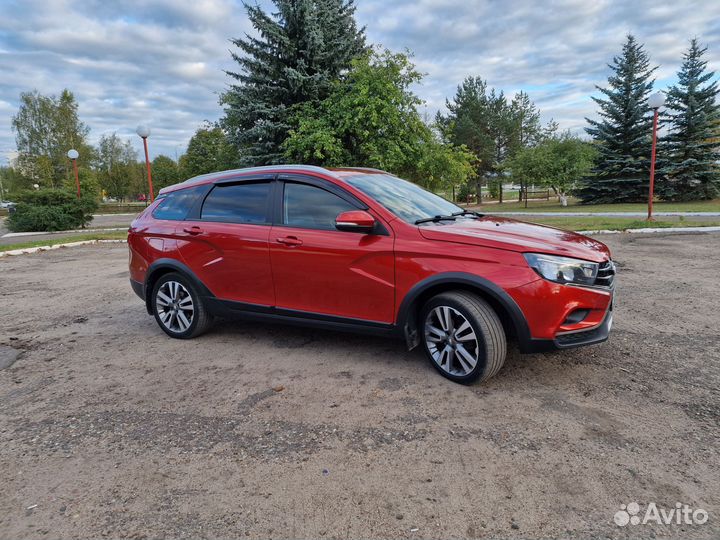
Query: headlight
{"type": "Point", "coordinates": [563, 269]}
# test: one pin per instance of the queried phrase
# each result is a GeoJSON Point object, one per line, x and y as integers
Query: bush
{"type": "Point", "coordinates": [51, 210]}
{"type": "Point", "coordinates": [466, 192]}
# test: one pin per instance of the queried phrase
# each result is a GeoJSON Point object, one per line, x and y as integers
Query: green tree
{"type": "Point", "coordinates": [525, 123]}
{"type": "Point", "coordinates": [622, 134]}
{"type": "Point", "coordinates": [690, 153]}
{"type": "Point", "coordinates": [371, 119]}
{"type": "Point", "coordinates": [444, 166]}
{"type": "Point", "coordinates": [89, 183]}
{"type": "Point", "coordinates": [474, 120]}
{"type": "Point", "coordinates": [165, 172]}
{"type": "Point", "coordinates": [557, 162]}
{"type": "Point", "coordinates": [493, 129]}
{"type": "Point", "coordinates": [208, 151]}
{"type": "Point", "coordinates": [46, 127]}
{"type": "Point", "coordinates": [13, 183]}
{"type": "Point", "coordinates": [118, 170]}
{"type": "Point", "coordinates": [301, 49]}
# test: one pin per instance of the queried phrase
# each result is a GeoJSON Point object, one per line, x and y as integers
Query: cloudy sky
{"type": "Point", "coordinates": [161, 62]}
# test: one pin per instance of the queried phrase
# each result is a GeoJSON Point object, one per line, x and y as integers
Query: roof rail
{"type": "Point", "coordinates": [261, 169]}
{"type": "Point", "coordinates": [249, 170]}
{"type": "Point", "coordinates": [366, 169]}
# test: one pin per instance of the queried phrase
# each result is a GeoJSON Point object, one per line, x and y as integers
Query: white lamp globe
{"type": "Point", "coordinates": [657, 100]}
{"type": "Point", "coordinates": [73, 154]}
{"type": "Point", "coordinates": [143, 131]}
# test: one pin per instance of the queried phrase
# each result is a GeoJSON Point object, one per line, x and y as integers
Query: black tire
{"type": "Point", "coordinates": [488, 345]}
{"type": "Point", "coordinates": [200, 320]}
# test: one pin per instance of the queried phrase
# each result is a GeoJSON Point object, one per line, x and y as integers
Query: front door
{"type": "Point", "coordinates": [318, 269]}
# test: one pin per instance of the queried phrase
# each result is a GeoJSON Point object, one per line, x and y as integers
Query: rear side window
{"type": "Point", "coordinates": [176, 204]}
{"type": "Point", "coordinates": [310, 207]}
{"type": "Point", "coordinates": [238, 203]}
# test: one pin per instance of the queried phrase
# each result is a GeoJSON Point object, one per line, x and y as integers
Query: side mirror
{"type": "Point", "coordinates": [355, 221]}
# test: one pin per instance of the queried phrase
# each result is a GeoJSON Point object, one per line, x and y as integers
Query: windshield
{"type": "Point", "coordinates": [406, 200]}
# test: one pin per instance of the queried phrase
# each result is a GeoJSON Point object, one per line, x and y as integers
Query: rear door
{"type": "Point", "coordinates": [319, 269]}
{"type": "Point", "coordinates": [225, 240]}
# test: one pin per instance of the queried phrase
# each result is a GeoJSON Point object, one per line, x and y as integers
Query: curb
{"type": "Point", "coordinates": [28, 251]}
{"type": "Point", "coordinates": [605, 214]}
{"type": "Point", "coordinates": [655, 230]}
{"type": "Point", "coordinates": [85, 231]}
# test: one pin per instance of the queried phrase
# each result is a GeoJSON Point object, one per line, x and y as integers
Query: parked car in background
{"type": "Point", "coordinates": [362, 250]}
{"type": "Point", "coordinates": [6, 205]}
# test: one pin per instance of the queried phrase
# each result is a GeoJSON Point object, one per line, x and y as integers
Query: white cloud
{"type": "Point", "coordinates": [161, 62]}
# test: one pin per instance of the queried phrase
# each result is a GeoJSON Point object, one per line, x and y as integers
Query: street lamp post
{"type": "Point", "coordinates": [144, 132]}
{"type": "Point", "coordinates": [73, 155]}
{"type": "Point", "coordinates": [655, 101]}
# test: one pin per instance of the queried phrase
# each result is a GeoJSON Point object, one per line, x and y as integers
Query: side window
{"type": "Point", "coordinates": [176, 204]}
{"type": "Point", "coordinates": [238, 203]}
{"type": "Point", "coordinates": [310, 207]}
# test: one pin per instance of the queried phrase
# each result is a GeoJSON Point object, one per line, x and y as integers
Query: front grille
{"type": "Point", "coordinates": [606, 274]}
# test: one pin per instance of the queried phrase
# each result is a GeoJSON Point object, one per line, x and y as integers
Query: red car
{"type": "Point", "coordinates": [362, 250]}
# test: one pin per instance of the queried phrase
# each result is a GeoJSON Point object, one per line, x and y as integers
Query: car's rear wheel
{"type": "Point", "coordinates": [463, 336]}
{"type": "Point", "coordinates": [178, 308]}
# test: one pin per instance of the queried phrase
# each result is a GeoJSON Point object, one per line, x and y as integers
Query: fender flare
{"type": "Point", "coordinates": [407, 312]}
{"type": "Point", "coordinates": [175, 266]}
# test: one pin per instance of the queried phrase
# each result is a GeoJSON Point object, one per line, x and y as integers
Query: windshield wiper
{"type": "Point", "coordinates": [435, 219]}
{"type": "Point", "coordinates": [468, 213]}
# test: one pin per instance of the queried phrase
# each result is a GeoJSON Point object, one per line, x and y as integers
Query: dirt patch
{"type": "Point", "coordinates": [110, 428]}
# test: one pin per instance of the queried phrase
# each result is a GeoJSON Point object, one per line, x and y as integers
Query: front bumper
{"type": "Point", "coordinates": [591, 336]}
{"type": "Point", "coordinates": [563, 316]}
{"type": "Point", "coordinates": [570, 340]}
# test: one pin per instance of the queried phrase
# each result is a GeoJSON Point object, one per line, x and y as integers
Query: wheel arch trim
{"type": "Point", "coordinates": [409, 307]}
{"type": "Point", "coordinates": [164, 266]}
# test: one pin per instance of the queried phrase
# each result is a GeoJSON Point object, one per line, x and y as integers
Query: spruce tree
{"type": "Point", "coordinates": [300, 50]}
{"type": "Point", "coordinates": [690, 153]}
{"type": "Point", "coordinates": [623, 132]}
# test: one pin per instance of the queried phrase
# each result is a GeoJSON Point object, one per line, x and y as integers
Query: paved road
{"type": "Point", "coordinates": [608, 214]}
{"type": "Point", "coordinates": [100, 221]}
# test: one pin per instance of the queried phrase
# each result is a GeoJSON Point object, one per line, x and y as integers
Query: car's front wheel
{"type": "Point", "coordinates": [178, 308]}
{"type": "Point", "coordinates": [463, 336]}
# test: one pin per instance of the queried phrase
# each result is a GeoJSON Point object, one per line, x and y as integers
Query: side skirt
{"type": "Point", "coordinates": [253, 312]}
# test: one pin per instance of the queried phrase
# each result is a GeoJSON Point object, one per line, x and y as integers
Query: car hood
{"type": "Point", "coordinates": [510, 234]}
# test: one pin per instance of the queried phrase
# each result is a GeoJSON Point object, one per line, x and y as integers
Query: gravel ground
{"type": "Point", "coordinates": [110, 428]}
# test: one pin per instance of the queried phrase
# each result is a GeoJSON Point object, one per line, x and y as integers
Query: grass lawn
{"type": "Point", "coordinates": [119, 235]}
{"type": "Point", "coordinates": [613, 224]}
{"type": "Point", "coordinates": [554, 206]}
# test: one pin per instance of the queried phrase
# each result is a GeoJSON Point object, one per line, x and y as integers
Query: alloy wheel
{"type": "Point", "coordinates": [175, 306]}
{"type": "Point", "coordinates": [451, 341]}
